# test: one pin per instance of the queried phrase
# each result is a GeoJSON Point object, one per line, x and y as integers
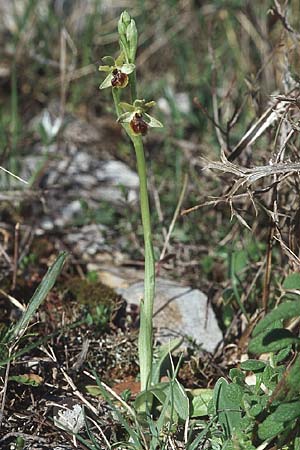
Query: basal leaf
{"type": "Point", "coordinates": [269, 428]}
{"type": "Point", "coordinates": [253, 365]}
{"type": "Point", "coordinates": [227, 401]}
{"type": "Point", "coordinates": [292, 281]}
{"type": "Point", "coordinates": [272, 341]}
{"type": "Point", "coordinates": [200, 399]}
{"type": "Point", "coordinates": [181, 401]}
{"type": "Point", "coordinates": [146, 397]}
{"type": "Point", "coordinates": [282, 354]}
{"type": "Point", "coordinates": [161, 355]}
{"type": "Point", "coordinates": [277, 422]}
{"type": "Point", "coordinates": [286, 310]}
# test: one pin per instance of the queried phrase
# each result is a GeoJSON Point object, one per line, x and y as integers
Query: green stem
{"type": "Point", "coordinates": [146, 313]}
{"type": "Point", "coordinates": [146, 309]}
{"type": "Point", "coordinates": [133, 91]}
{"type": "Point", "coordinates": [116, 97]}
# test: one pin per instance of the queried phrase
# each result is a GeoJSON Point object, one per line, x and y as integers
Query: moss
{"type": "Point", "coordinates": [100, 302]}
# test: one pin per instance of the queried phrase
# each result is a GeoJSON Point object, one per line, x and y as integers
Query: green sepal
{"type": "Point", "coordinates": [152, 122]}
{"type": "Point", "coordinates": [125, 117]}
{"type": "Point", "coordinates": [106, 82]}
{"type": "Point", "coordinates": [108, 60]}
{"type": "Point", "coordinates": [127, 68]}
{"type": "Point", "coordinates": [127, 106]}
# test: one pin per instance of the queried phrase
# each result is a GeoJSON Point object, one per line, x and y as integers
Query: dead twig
{"type": "Point", "coordinates": [13, 300]}
{"type": "Point", "coordinates": [282, 16]}
{"type": "Point", "coordinates": [175, 216]}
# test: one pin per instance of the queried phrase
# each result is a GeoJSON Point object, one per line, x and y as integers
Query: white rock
{"type": "Point", "coordinates": [179, 311]}
{"type": "Point", "coordinates": [181, 100]}
{"type": "Point", "coordinates": [117, 173]}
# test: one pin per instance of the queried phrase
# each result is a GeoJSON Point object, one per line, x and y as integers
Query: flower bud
{"type": "Point", "coordinates": [132, 39]}
{"type": "Point", "coordinates": [123, 23]}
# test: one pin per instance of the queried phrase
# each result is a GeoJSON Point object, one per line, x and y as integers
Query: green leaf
{"type": "Point", "coordinates": [282, 354]}
{"type": "Point", "coordinates": [167, 414]}
{"type": "Point", "coordinates": [293, 380]}
{"type": "Point", "coordinates": [269, 428]}
{"type": "Point", "coordinates": [160, 356]}
{"type": "Point", "coordinates": [277, 422]}
{"type": "Point", "coordinates": [200, 399]}
{"type": "Point", "coordinates": [292, 281]}
{"type": "Point", "coordinates": [286, 310]}
{"type": "Point", "coordinates": [106, 82]}
{"type": "Point", "coordinates": [255, 410]}
{"type": "Point", "coordinates": [146, 397]}
{"type": "Point", "coordinates": [272, 341]}
{"type": "Point", "coordinates": [240, 260]}
{"type": "Point", "coordinates": [227, 402]}
{"type": "Point", "coordinates": [253, 365]}
{"type": "Point", "coordinates": [30, 379]}
{"type": "Point", "coordinates": [94, 390]}
{"type": "Point", "coordinates": [237, 376]}
{"type": "Point", "coordinates": [287, 411]}
{"type": "Point", "coordinates": [39, 296]}
{"type": "Point", "coordinates": [180, 398]}
{"type": "Point", "coordinates": [171, 392]}
{"type": "Point", "coordinates": [152, 122]}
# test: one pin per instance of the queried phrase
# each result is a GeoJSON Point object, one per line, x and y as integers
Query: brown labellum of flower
{"type": "Point", "coordinates": [120, 79]}
{"type": "Point", "coordinates": [138, 125]}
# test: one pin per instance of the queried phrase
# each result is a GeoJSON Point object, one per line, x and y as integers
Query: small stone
{"type": "Point", "coordinates": [47, 224]}
{"type": "Point", "coordinates": [117, 173]}
{"type": "Point", "coordinates": [69, 416]}
{"type": "Point", "coordinates": [88, 240]}
{"type": "Point", "coordinates": [181, 100]}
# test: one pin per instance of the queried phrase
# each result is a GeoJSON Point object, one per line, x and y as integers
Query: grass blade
{"type": "Point", "coordinates": [38, 297]}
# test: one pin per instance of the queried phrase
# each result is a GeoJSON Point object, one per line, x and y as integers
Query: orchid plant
{"type": "Point", "coordinates": [136, 121]}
